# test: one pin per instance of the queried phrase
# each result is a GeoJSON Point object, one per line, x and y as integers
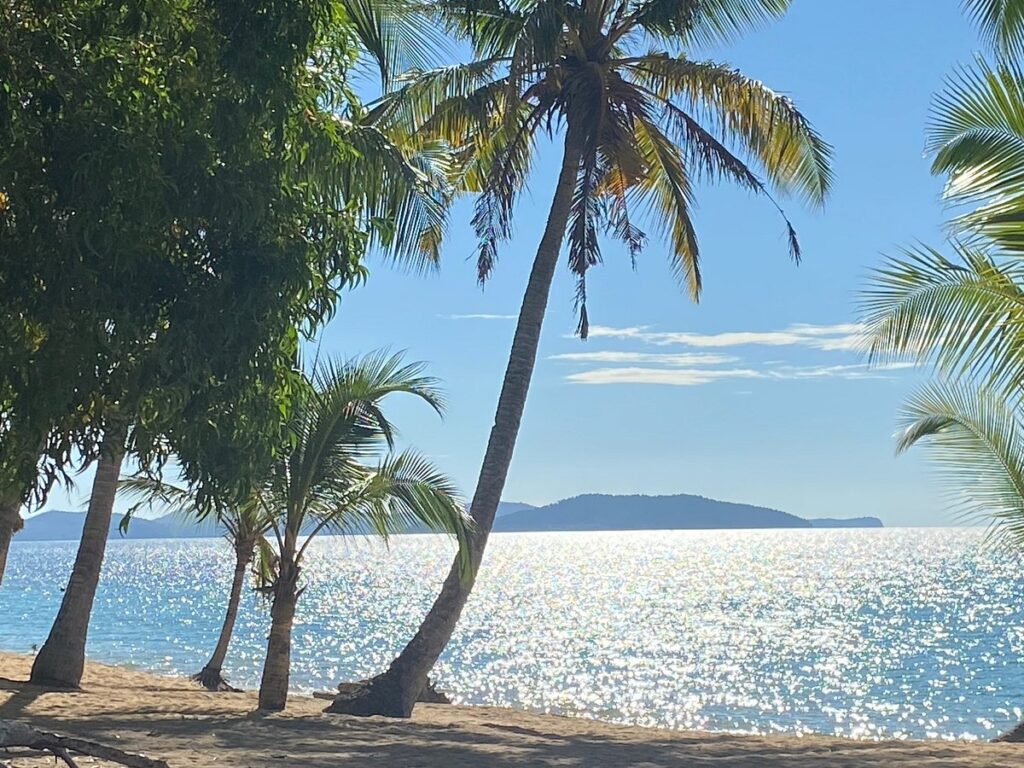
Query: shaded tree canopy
{"type": "Point", "coordinates": [172, 218]}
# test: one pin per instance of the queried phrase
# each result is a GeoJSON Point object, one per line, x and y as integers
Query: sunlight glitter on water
{"type": "Point", "coordinates": [863, 633]}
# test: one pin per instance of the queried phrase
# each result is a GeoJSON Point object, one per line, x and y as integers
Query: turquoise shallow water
{"type": "Point", "coordinates": [861, 633]}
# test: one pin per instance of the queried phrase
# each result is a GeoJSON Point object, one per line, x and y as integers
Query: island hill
{"type": "Point", "coordinates": [589, 512]}
{"type": "Point", "coordinates": [599, 512]}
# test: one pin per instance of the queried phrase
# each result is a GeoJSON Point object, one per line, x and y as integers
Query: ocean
{"type": "Point", "coordinates": [864, 633]}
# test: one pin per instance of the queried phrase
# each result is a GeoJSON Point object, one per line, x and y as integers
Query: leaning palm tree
{"type": "Point", "coordinates": [61, 659]}
{"type": "Point", "coordinates": [640, 123]}
{"type": "Point", "coordinates": [341, 475]}
{"type": "Point", "coordinates": [245, 529]}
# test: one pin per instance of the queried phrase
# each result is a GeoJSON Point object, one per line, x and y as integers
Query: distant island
{"type": "Point", "coordinates": [599, 512]}
{"type": "Point", "coordinates": [589, 512]}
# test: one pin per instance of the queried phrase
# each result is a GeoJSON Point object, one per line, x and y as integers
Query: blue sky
{"type": "Point", "coordinates": [755, 394]}
{"type": "Point", "coordinates": [760, 398]}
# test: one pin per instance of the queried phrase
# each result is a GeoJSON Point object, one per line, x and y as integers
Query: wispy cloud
{"type": "Point", "coordinates": [676, 377]}
{"type": "Point", "coordinates": [710, 356]}
{"type": "Point", "coordinates": [481, 317]}
{"type": "Point", "coordinates": [692, 377]}
{"type": "Point", "coordinates": [655, 358]}
{"type": "Point", "coordinates": [839, 337]}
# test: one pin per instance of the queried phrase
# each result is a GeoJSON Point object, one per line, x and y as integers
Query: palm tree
{"type": "Point", "coordinates": [61, 659]}
{"type": "Point", "coordinates": [245, 528]}
{"type": "Point", "coordinates": [399, 194]}
{"type": "Point", "coordinates": [640, 123]}
{"type": "Point", "coordinates": [327, 483]}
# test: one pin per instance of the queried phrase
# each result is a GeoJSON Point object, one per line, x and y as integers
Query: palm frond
{"type": "Point", "coordinates": [667, 191]}
{"type": "Point", "coordinates": [501, 164]}
{"type": "Point", "coordinates": [1001, 23]}
{"type": "Point", "coordinates": [339, 427]}
{"type": "Point", "coordinates": [738, 109]}
{"type": "Point", "coordinates": [420, 95]}
{"type": "Point", "coordinates": [977, 438]}
{"type": "Point", "coordinates": [244, 522]}
{"type": "Point", "coordinates": [398, 35]}
{"type": "Point", "coordinates": [403, 193]}
{"type": "Point", "coordinates": [685, 23]}
{"type": "Point", "coordinates": [966, 315]}
{"type": "Point", "coordinates": [403, 492]}
{"type": "Point", "coordinates": [714, 161]}
{"type": "Point", "coordinates": [977, 136]}
{"type": "Point", "coordinates": [150, 492]}
{"type": "Point", "coordinates": [264, 564]}
{"type": "Point", "coordinates": [584, 247]}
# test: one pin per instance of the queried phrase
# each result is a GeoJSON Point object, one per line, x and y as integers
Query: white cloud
{"type": "Point", "coordinates": [692, 377]}
{"type": "Point", "coordinates": [694, 368]}
{"type": "Point", "coordinates": [676, 377]}
{"type": "Point", "coordinates": [839, 337]}
{"type": "Point", "coordinates": [681, 359]}
{"type": "Point", "coordinates": [852, 371]}
{"type": "Point", "coordinates": [481, 317]}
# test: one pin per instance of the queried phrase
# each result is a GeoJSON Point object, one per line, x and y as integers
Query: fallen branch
{"type": "Point", "coordinates": [20, 735]}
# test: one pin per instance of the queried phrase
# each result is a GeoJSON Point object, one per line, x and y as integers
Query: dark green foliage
{"type": "Point", "coordinates": [171, 220]}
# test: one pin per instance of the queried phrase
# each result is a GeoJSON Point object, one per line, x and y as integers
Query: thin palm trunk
{"type": "Point", "coordinates": [394, 693]}
{"type": "Point", "coordinates": [62, 657]}
{"type": "Point", "coordinates": [211, 676]}
{"type": "Point", "coordinates": [12, 499]}
{"type": "Point", "coordinates": [10, 524]}
{"type": "Point", "coordinates": [276, 668]}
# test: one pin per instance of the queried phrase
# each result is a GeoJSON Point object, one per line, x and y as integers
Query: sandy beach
{"type": "Point", "coordinates": [173, 719]}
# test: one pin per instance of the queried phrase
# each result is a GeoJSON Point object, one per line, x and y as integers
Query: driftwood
{"type": "Point", "coordinates": [19, 735]}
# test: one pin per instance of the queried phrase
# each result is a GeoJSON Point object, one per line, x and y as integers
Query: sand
{"type": "Point", "coordinates": [172, 719]}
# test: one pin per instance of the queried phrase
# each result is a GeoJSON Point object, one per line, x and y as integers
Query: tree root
{"type": "Point", "coordinates": [431, 694]}
{"type": "Point", "coordinates": [376, 697]}
{"type": "Point", "coordinates": [19, 735]}
{"type": "Point", "coordinates": [211, 680]}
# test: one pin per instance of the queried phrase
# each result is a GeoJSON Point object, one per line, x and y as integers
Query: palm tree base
{"type": "Point", "coordinates": [386, 695]}
{"type": "Point", "coordinates": [1014, 736]}
{"type": "Point", "coordinates": [212, 680]}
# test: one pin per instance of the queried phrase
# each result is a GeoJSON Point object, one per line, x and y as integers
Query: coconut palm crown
{"type": "Point", "coordinates": [646, 122]}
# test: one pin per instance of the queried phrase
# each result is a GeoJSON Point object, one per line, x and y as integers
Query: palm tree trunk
{"type": "Point", "coordinates": [62, 657]}
{"type": "Point", "coordinates": [1015, 735]}
{"type": "Point", "coordinates": [277, 666]}
{"type": "Point", "coordinates": [394, 693]}
{"type": "Point", "coordinates": [10, 524]}
{"type": "Point", "coordinates": [211, 676]}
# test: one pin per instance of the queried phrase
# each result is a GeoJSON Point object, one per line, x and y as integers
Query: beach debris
{"type": "Point", "coordinates": [18, 735]}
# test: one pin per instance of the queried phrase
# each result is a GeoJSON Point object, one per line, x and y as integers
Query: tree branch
{"type": "Point", "coordinates": [17, 734]}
